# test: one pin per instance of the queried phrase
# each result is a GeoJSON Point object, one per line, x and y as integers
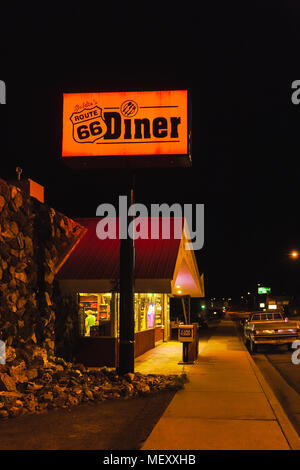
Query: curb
{"type": "Point", "coordinates": [285, 424]}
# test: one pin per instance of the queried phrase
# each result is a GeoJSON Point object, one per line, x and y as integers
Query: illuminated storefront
{"type": "Point", "coordinates": [162, 268]}
{"type": "Point", "coordinates": [150, 311]}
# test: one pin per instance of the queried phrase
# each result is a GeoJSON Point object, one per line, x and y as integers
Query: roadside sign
{"type": "Point", "coordinates": [186, 333]}
{"type": "Point", "coordinates": [126, 129]}
{"type": "Point", "coordinates": [264, 290]}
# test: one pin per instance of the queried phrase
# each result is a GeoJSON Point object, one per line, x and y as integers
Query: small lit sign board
{"type": "Point", "coordinates": [272, 307]}
{"type": "Point", "coordinates": [264, 290]}
{"type": "Point", "coordinates": [186, 333]}
{"type": "Point", "coordinates": [111, 129]}
{"type": "Point", "coordinates": [262, 305]}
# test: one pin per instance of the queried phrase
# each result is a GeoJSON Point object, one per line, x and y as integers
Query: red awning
{"type": "Point", "coordinates": [99, 259]}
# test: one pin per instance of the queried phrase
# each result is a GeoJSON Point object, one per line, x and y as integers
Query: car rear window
{"type": "Point", "coordinates": [256, 317]}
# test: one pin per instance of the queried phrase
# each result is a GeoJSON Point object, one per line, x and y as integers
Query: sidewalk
{"type": "Point", "coordinates": [224, 406]}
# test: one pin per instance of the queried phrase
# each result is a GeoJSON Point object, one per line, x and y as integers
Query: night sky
{"type": "Point", "coordinates": [238, 61]}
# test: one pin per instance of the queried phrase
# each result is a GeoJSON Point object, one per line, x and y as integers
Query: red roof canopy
{"type": "Point", "coordinates": [93, 258]}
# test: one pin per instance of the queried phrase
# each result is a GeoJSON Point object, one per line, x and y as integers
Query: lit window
{"type": "Point", "coordinates": [94, 314]}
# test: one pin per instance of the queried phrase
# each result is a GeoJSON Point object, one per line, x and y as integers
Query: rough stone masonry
{"type": "Point", "coordinates": [34, 241]}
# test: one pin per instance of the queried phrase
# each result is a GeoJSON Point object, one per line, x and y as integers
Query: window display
{"type": "Point", "coordinates": [159, 306]}
{"type": "Point", "coordinates": [95, 312]}
{"type": "Point", "coordinates": [148, 310]}
{"type": "Point", "coordinates": [150, 315]}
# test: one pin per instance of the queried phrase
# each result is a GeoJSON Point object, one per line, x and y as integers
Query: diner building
{"type": "Point", "coordinates": [163, 268]}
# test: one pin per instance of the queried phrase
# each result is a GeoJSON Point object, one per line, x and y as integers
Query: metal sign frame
{"type": "Point", "coordinates": [132, 161]}
{"type": "Point", "coordinates": [186, 339]}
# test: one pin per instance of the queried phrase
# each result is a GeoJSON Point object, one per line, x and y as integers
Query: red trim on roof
{"type": "Point", "coordinates": [93, 258]}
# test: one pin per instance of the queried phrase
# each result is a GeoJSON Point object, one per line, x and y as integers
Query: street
{"type": "Point", "coordinates": [284, 378]}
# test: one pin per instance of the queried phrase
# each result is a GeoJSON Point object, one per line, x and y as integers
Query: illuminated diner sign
{"type": "Point", "coordinates": [150, 126]}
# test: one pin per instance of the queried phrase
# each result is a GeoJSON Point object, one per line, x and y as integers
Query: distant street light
{"type": "Point", "coordinates": [294, 254]}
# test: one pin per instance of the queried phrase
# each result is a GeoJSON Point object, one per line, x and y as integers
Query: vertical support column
{"type": "Point", "coordinates": [184, 309]}
{"type": "Point", "coordinates": [166, 317]}
{"type": "Point", "coordinates": [98, 307]}
{"type": "Point", "coordinates": [126, 347]}
{"type": "Point", "coordinates": [185, 352]}
{"type": "Point", "coordinates": [113, 315]}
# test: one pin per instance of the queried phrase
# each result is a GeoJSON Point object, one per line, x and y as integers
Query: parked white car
{"type": "Point", "coordinates": [269, 328]}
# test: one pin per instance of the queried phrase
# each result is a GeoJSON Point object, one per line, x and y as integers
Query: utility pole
{"type": "Point", "coordinates": [127, 258]}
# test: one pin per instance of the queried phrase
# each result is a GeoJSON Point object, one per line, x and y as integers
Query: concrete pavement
{"type": "Point", "coordinates": [226, 405]}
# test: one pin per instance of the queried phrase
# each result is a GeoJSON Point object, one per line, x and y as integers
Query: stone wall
{"type": "Point", "coordinates": [38, 325]}
{"type": "Point", "coordinates": [34, 241]}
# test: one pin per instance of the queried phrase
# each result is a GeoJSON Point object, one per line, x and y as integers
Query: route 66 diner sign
{"type": "Point", "coordinates": [144, 128]}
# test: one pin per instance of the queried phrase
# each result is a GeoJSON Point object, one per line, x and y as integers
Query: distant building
{"type": "Point", "coordinates": [274, 302]}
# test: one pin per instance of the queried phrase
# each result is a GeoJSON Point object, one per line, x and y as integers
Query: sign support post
{"type": "Point", "coordinates": [185, 353]}
{"type": "Point", "coordinates": [99, 130]}
{"type": "Point", "coordinates": [126, 343]}
{"type": "Point", "coordinates": [186, 336]}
